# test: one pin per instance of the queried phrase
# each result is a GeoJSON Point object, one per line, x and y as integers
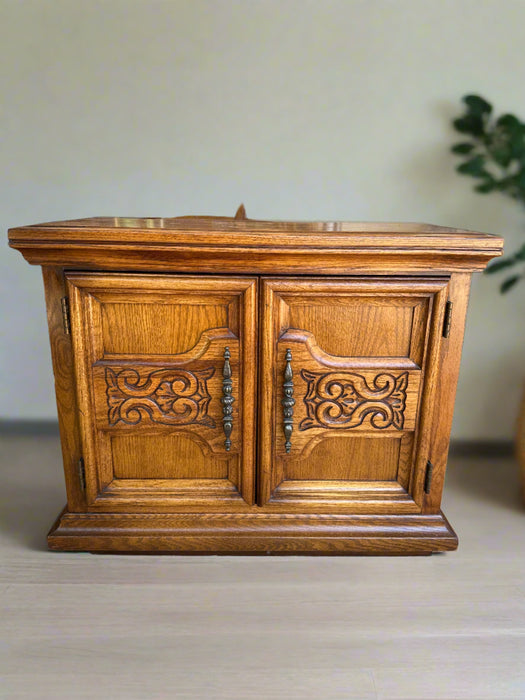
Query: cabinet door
{"type": "Point", "coordinates": [165, 373]}
{"type": "Point", "coordinates": [348, 367]}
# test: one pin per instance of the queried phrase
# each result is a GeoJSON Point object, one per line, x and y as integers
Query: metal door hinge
{"type": "Point", "coordinates": [82, 474]}
{"type": "Point", "coordinates": [66, 318]}
{"type": "Point", "coordinates": [428, 476]}
{"type": "Point", "coordinates": [447, 319]}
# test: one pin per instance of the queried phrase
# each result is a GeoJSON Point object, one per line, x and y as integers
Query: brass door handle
{"type": "Point", "coordinates": [227, 399]}
{"type": "Point", "coordinates": [288, 401]}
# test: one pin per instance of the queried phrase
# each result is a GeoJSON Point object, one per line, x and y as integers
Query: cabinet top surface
{"type": "Point", "coordinates": [325, 246]}
{"type": "Point", "coordinates": [147, 225]}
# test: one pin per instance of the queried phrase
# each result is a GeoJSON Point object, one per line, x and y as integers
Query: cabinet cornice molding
{"type": "Point", "coordinates": [214, 244]}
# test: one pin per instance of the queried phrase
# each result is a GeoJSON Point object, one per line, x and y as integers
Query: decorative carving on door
{"type": "Point", "coordinates": [345, 399]}
{"type": "Point", "coordinates": [168, 396]}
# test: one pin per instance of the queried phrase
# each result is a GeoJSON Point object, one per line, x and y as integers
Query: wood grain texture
{"type": "Point", "coordinates": [366, 459]}
{"type": "Point", "coordinates": [371, 395]}
{"type": "Point", "coordinates": [65, 390]}
{"type": "Point", "coordinates": [191, 385]}
{"type": "Point", "coordinates": [424, 432]}
{"type": "Point", "coordinates": [173, 456]}
{"type": "Point", "coordinates": [349, 398]}
{"type": "Point", "coordinates": [380, 327]}
{"type": "Point", "coordinates": [253, 534]}
{"type": "Point", "coordinates": [442, 405]}
{"type": "Point", "coordinates": [224, 245]}
{"type": "Point", "coordinates": [154, 394]}
{"type": "Point", "coordinates": [160, 327]}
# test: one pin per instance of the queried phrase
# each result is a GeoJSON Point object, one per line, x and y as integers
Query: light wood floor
{"type": "Point", "coordinates": [87, 626]}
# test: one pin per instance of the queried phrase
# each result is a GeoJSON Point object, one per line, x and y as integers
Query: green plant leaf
{"type": "Point", "coordinates": [463, 148]}
{"type": "Point", "coordinates": [470, 124]}
{"type": "Point", "coordinates": [485, 187]}
{"type": "Point", "coordinates": [477, 105]}
{"type": "Point", "coordinates": [508, 185]}
{"type": "Point", "coordinates": [474, 167]}
{"type": "Point", "coordinates": [520, 255]}
{"type": "Point", "coordinates": [501, 264]}
{"type": "Point", "coordinates": [509, 133]}
{"type": "Point", "coordinates": [509, 283]}
{"type": "Point", "coordinates": [519, 179]}
{"type": "Point", "coordinates": [495, 155]}
{"type": "Point", "coordinates": [508, 120]}
{"type": "Point", "coordinates": [501, 153]}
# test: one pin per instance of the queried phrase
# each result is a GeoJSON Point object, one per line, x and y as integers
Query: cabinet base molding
{"type": "Point", "coordinates": [252, 533]}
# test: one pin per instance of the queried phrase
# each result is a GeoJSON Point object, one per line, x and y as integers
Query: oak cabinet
{"type": "Point", "coordinates": [229, 385]}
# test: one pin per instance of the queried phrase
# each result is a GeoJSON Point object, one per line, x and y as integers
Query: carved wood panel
{"type": "Point", "coordinates": [163, 393]}
{"type": "Point", "coordinates": [370, 396]}
{"type": "Point", "coordinates": [351, 395]}
{"type": "Point", "coordinates": [168, 396]}
{"type": "Point", "coordinates": [345, 400]}
{"type": "Point", "coordinates": [152, 392]}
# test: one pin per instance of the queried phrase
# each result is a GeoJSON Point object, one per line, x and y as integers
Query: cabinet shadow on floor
{"type": "Point", "coordinates": [491, 477]}
{"type": "Point", "coordinates": [31, 487]}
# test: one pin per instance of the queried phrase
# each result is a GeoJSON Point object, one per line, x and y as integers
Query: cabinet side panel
{"type": "Point", "coordinates": [63, 370]}
{"type": "Point", "coordinates": [84, 324]}
{"type": "Point", "coordinates": [451, 347]}
{"type": "Point", "coordinates": [425, 434]}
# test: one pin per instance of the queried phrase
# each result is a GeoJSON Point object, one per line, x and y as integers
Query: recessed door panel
{"type": "Point", "coordinates": [131, 328]}
{"type": "Point", "coordinates": [347, 360]}
{"type": "Point", "coordinates": [366, 459]}
{"type": "Point", "coordinates": [172, 456]}
{"type": "Point", "coordinates": [378, 328]}
{"type": "Point", "coordinates": [166, 380]}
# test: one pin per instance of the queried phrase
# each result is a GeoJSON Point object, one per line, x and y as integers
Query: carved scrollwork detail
{"type": "Point", "coordinates": [345, 399]}
{"type": "Point", "coordinates": [167, 396]}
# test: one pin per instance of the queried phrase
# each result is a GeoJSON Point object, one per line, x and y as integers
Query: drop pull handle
{"type": "Point", "coordinates": [288, 401]}
{"type": "Point", "coordinates": [227, 399]}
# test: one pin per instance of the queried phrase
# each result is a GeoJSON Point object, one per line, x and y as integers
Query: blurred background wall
{"type": "Point", "coordinates": [301, 110]}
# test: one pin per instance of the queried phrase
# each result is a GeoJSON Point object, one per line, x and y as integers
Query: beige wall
{"type": "Point", "coordinates": [321, 110]}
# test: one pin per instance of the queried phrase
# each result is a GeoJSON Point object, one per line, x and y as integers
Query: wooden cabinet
{"type": "Point", "coordinates": [229, 385]}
